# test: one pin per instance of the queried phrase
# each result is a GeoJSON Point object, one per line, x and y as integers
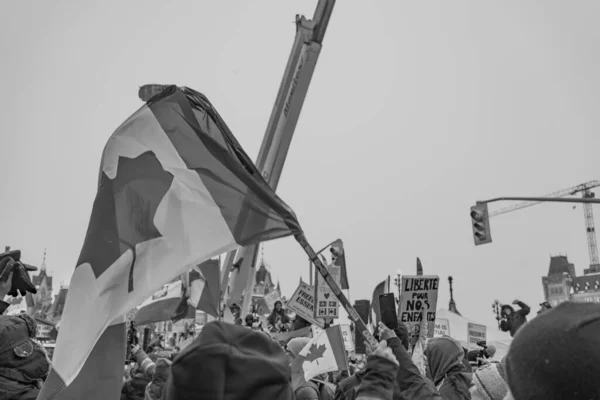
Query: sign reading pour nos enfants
{"type": "Point", "coordinates": [419, 293]}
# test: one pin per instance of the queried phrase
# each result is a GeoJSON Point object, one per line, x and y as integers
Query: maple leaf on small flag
{"type": "Point", "coordinates": [315, 352]}
{"type": "Point", "coordinates": [324, 353]}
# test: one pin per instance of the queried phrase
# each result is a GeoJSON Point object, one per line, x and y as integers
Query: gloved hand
{"type": "Point", "coordinates": [21, 282]}
{"type": "Point", "coordinates": [6, 275]}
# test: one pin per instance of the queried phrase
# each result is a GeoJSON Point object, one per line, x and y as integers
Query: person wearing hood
{"type": "Point", "coordinates": [448, 373]}
{"type": "Point", "coordinates": [513, 320]}
{"type": "Point", "coordinates": [24, 364]}
{"type": "Point", "coordinates": [278, 321]}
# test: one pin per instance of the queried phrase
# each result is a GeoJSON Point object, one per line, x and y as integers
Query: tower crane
{"type": "Point", "coordinates": [588, 214]}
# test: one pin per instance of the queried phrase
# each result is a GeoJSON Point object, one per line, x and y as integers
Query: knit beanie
{"type": "Point", "coordinates": [230, 362]}
{"type": "Point", "coordinates": [557, 355]}
{"type": "Point", "coordinates": [296, 345]}
{"type": "Point", "coordinates": [491, 381]}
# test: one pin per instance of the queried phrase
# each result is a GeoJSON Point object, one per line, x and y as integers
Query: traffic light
{"type": "Point", "coordinates": [481, 224]}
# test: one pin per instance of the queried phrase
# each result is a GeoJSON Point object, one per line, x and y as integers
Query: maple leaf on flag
{"type": "Point", "coordinates": [315, 352]}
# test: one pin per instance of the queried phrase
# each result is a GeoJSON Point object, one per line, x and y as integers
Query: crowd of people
{"type": "Point", "coordinates": [553, 356]}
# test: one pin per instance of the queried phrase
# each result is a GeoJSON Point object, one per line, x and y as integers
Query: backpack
{"type": "Point", "coordinates": [326, 389]}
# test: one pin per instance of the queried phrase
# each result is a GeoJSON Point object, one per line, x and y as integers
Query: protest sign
{"type": "Point", "coordinates": [302, 303]}
{"type": "Point", "coordinates": [475, 333]}
{"type": "Point", "coordinates": [271, 298]}
{"type": "Point", "coordinates": [419, 293]}
{"type": "Point", "coordinates": [326, 304]}
{"type": "Point", "coordinates": [442, 327]}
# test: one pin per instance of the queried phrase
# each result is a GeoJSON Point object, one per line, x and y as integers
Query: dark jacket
{"type": "Point", "coordinates": [411, 384]}
{"type": "Point", "coordinates": [3, 306]}
{"type": "Point", "coordinates": [348, 388]}
{"type": "Point", "coordinates": [516, 319]}
{"type": "Point", "coordinates": [24, 363]}
{"type": "Point", "coordinates": [448, 373]}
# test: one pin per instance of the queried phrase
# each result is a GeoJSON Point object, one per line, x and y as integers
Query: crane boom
{"type": "Point", "coordinates": [561, 193]}
{"type": "Point", "coordinates": [588, 214]}
{"type": "Point", "coordinates": [278, 136]}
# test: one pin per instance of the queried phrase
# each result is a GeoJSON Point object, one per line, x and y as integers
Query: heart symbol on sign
{"type": "Point", "coordinates": [326, 295]}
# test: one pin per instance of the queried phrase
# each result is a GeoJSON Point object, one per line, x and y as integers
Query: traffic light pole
{"type": "Point", "coordinates": [542, 199]}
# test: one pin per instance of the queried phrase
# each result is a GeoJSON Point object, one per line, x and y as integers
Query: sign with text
{"type": "Point", "coordinates": [327, 304]}
{"type": "Point", "coordinates": [418, 296]}
{"type": "Point", "coordinates": [475, 333]}
{"type": "Point", "coordinates": [271, 298]}
{"type": "Point", "coordinates": [43, 331]}
{"type": "Point", "coordinates": [303, 303]}
{"type": "Point", "coordinates": [442, 327]}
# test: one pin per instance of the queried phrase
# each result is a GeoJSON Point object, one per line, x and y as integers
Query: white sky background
{"type": "Point", "coordinates": [416, 110]}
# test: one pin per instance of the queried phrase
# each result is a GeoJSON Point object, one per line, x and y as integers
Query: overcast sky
{"type": "Point", "coordinates": [416, 110]}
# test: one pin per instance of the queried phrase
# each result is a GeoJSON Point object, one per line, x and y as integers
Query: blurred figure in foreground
{"type": "Point", "coordinates": [556, 355]}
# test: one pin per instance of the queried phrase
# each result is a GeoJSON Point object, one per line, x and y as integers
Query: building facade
{"type": "Point", "coordinates": [562, 283]}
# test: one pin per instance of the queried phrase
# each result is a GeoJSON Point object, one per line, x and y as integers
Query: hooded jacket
{"type": "Point", "coordinates": [448, 373]}
{"type": "Point", "coordinates": [24, 363]}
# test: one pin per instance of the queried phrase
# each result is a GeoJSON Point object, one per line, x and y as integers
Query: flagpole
{"type": "Point", "coordinates": [352, 314]}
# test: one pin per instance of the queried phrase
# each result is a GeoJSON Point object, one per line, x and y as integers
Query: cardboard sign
{"type": "Point", "coordinates": [327, 304]}
{"type": "Point", "coordinates": [348, 337]}
{"type": "Point", "coordinates": [475, 333]}
{"type": "Point", "coordinates": [419, 293]}
{"type": "Point", "coordinates": [303, 304]}
{"type": "Point", "coordinates": [43, 331]}
{"type": "Point", "coordinates": [442, 327]}
{"type": "Point", "coordinates": [271, 299]}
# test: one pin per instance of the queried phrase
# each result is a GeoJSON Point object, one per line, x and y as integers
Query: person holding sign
{"type": "Point", "coordinates": [278, 321]}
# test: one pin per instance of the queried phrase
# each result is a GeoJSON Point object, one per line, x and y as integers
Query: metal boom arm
{"type": "Point", "coordinates": [278, 136]}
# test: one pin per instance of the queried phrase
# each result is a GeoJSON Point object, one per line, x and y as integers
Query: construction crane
{"type": "Point", "coordinates": [588, 213]}
{"type": "Point", "coordinates": [238, 277]}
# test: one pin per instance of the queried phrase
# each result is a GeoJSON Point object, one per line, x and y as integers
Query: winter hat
{"type": "Point", "coordinates": [18, 348]}
{"type": "Point", "coordinates": [553, 348]}
{"type": "Point", "coordinates": [230, 362]}
{"type": "Point", "coordinates": [491, 381]}
{"type": "Point", "coordinates": [296, 345]}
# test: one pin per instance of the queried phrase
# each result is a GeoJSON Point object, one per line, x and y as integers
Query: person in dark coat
{"type": "Point", "coordinates": [278, 321]}
{"type": "Point", "coordinates": [449, 375]}
{"type": "Point", "coordinates": [24, 364]}
{"type": "Point", "coordinates": [513, 320]}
